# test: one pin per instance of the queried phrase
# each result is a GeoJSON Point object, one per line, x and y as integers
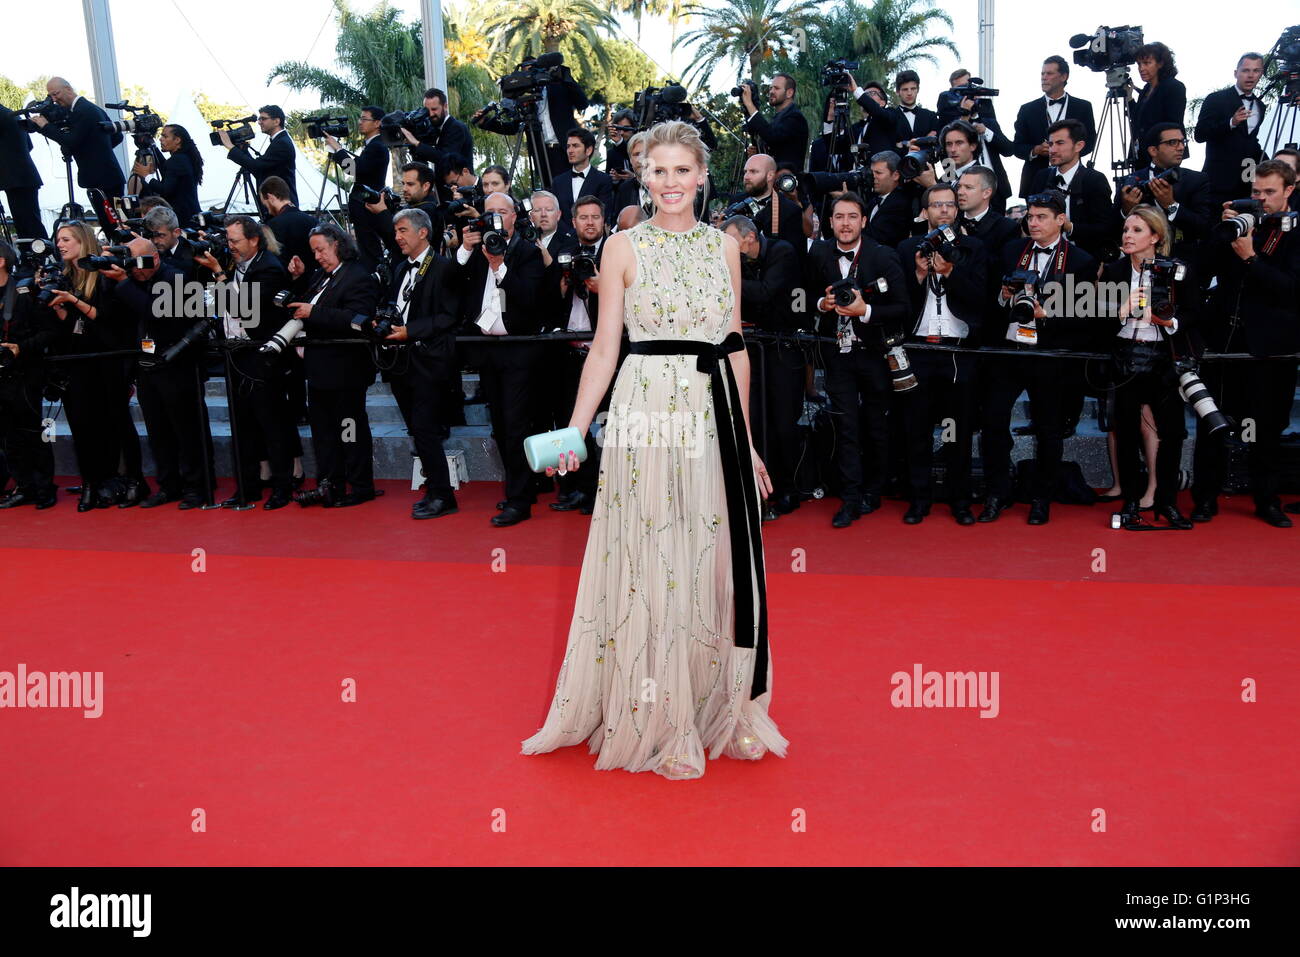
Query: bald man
{"type": "Point", "coordinates": [82, 138]}
{"type": "Point", "coordinates": [629, 217]}
{"type": "Point", "coordinates": [150, 301]}
{"type": "Point", "coordinates": [759, 181]}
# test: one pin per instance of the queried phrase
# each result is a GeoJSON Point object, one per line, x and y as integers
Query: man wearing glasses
{"type": "Point", "coordinates": [1187, 203]}
{"type": "Point", "coordinates": [947, 306]}
{"type": "Point", "coordinates": [278, 159]}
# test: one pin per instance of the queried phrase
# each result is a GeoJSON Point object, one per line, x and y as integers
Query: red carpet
{"type": "Point", "coordinates": [1118, 690]}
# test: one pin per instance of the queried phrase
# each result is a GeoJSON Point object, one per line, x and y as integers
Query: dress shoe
{"type": "Point", "coordinates": [1175, 518]}
{"type": "Point", "coordinates": [1293, 508]}
{"type": "Point", "coordinates": [354, 498]}
{"type": "Point", "coordinates": [502, 504]}
{"type": "Point", "coordinates": [846, 516]}
{"type": "Point", "coordinates": [915, 513]}
{"type": "Point", "coordinates": [157, 498]}
{"type": "Point", "coordinates": [87, 500]}
{"type": "Point", "coordinates": [587, 507]}
{"type": "Point", "coordinates": [1022, 430]}
{"type": "Point", "coordinates": [785, 504]}
{"type": "Point", "coordinates": [571, 504]}
{"type": "Point", "coordinates": [869, 504]}
{"type": "Point", "coordinates": [1040, 510]}
{"type": "Point", "coordinates": [434, 507]}
{"type": "Point", "coordinates": [1130, 515]}
{"type": "Point", "coordinates": [279, 499]}
{"type": "Point", "coordinates": [233, 501]}
{"type": "Point", "coordinates": [993, 507]}
{"type": "Point", "coordinates": [1204, 511]}
{"type": "Point", "coordinates": [136, 491]}
{"type": "Point", "coordinates": [1273, 514]}
{"type": "Point", "coordinates": [17, 497]}
{"type": "Point", "coordinates": [322, 494]}
{"type": "Point", "coordinates": [297, 481]}
{"type": "Point", "coordinates": [510, 515]}
{"type": "Point", "coordinates": [963, 515]}
{"type": "Point", "coordinates": [190, 500]}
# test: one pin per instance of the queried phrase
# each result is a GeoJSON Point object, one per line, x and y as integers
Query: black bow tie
{"type": "Point", "coordinates": [582, 175]}
{"type": "Point", "coordinates": [908, 109]}
{"type": "Point", "coordinates": [1052, 102]}
{"type": "Point", "coordinates": [847, 253]}
{"type": "Point", "coordinates": [1060, 180]}
{"type": "Point", "coordinates": [587, 250]}
{"type": "Point", "coordinates": [1041, 249]}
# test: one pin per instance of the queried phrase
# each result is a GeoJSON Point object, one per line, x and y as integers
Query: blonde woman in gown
{"type": "Point", "coordinates": [667, 653]}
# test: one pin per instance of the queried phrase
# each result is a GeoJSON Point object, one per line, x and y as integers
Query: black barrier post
{"type": "Point", "coordinates": [209, 480]}
{"type": "Point", "coordinates": [241, 496]}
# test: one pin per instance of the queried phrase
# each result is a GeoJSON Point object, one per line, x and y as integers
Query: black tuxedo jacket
{"type": "Point", "coordinates": [91, 147]}
{"type": "Point", "coordinates": [351, 291]}
{"type": "Point", "coordinates": [524, 276]}
{"type": "Point", "coordinates": [135, 301]}
{"type": "Point", "coordinates": [596, 183]}
{"type": "Point", "coordinates": [1092, 211]}
{"type": "Point", "coordinates": [563, 301]}
{"type": "Point", "coordinates": [33, 329]}
{"type": "Point", "coordinates": [1056, 331]}
{"type": "Point", "coordinates": [435, 308]}
{"type": "Point", "coordinates": [1263, 296]}
{"type": "Point", "coordinates": [178, 183]}
{"type": "Point", "coordinates": [367, 168]}
{"type": "Point", "coordinates": [893, 221]}
{"type": "Point", "coordinates": [18, 171]}
{"type": "Point", "coordinates": [278, 159]}
{"type": "Point", "coordinates": [889, 311]}
{"type": "Point", "coordinates": [997, 148]}
{"type": "Point", "coordinates": [876, 134]}
{"type": "Point", "coordinates": [784, 136]}
{"type": "Point", "coordinates": [1227, 148]}
{"type": "Point", "coordinates": [291, 228]}
{"type": "Point", "coordinates": [181, 258]}
{"type": "Point", "coordinates": [269, 276]}
{"type": "Point", "coordinates": [927, 123]}
{"type": "Point", "coordinates": [789, 224]}
{"type": "Point", "coordinates": [994, 231]}
{"type": "Point", "coordinates": [451, 138]}
{"type": "Point", "coordinates": [767, 287]}
{"type": "Point", "coordinates": [965, 288]}
{"type": "Point", "coordinates": [1166, 102]}
{"type": "Point", "coordinates": [1196, 209]}
{"type": "Point", "coordinates": [1031, 129]}
{"type": "Point", "coordinates": [1189, 305]}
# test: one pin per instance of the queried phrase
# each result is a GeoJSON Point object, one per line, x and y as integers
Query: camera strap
{"type": "Point", "coordinates": [11, 295]}
{"type": "Point", "coordinates": [844, 333]}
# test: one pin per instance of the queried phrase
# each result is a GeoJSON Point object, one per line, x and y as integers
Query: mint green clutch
{"type": "Point", "coordinates": [545, 449]}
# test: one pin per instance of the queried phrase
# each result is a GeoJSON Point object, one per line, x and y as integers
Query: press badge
{"type": "Point", "coordinates": [1027, 335]}
{"type": "Point", "coordinates": [844, 334]}
{"type": "Point", "coordinates": [146, 345]}
{"type": "Point", "coordinates": [79, 327]}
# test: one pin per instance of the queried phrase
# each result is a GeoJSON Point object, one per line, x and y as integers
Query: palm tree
{"type": "Point", "coordinates": [892, 35]}
{"type": "Point", "coordinates": [525, 28]}
{"type": "Point", "coordinates": [638, 8]}
{"type": "Point", "coordinates": [743, 30]}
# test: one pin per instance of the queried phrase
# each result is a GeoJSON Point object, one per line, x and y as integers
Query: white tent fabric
{"type": "Point", "coordinates": [218, 171]}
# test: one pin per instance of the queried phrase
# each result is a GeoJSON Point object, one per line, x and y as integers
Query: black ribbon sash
{"type": "Point", "coordinates": [743, 515]}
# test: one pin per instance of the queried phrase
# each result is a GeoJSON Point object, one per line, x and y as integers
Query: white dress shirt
{"type": "Point", "coordinates": [939, 321]}
{"type": "Point", "coordinates": [1141, 327]}
{"type": "Point", "coordinates": [579, 318]}
{"type": "Point", "coordinates": [1055, 108]}
{"type": "Point", "coordinates": [1252, 121]}
{"type": "Point", "coordinates": [579, 181]}
{"type": "Point", "coordinates": [490, 318]}
{"type": "Point", "coordinates": [846, 322]}
{"type": "Point", "coordinates": [1068, 176]}
{"type": "Point", "coordinates": [408, 282]}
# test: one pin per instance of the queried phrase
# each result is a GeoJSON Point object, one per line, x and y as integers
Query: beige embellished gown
{"type": "Point", "coordinates": [652, 677]}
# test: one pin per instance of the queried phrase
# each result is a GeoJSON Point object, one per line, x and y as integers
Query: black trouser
{"type": "Point", "coordinates": [369, 242]}
{"type": "Point", "coordinates": [96, 403]}
{"type": "Point", "coordinates": [507, 372]}
{"type": "Point", "coordinates": [26, 212]}
{"type": "Point", "coordinates": [169, 397]}
{"type": "Point", "coordinates": [294, 383]}
{"type": "Point", "coordinates": [426, 387]}
{"type": "Point", "coordinates": [945, 387]}
{"type": "Point", "coordinates": [264, 425]}
{"type": "Point", "coordinates": [859, 386]}
{"type": "Point", "coordinates": [1046, 378]}
{"type": "Point", "coordinates": [340, 435]}
{"type": "Point", "coordinates": [1158, 389]}
{"type": "Point", "coordinates": [1258, 389]}
{"type": "Point", "coordinates": [776, 385]}
{"type": "Point", "coordinates": [29, 457]}
{"type": "Point", "coordinates": [571, 363]}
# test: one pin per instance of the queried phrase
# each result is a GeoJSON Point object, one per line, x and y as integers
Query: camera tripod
{"type": "Point", "coordinates": [530, 132]}
{"type": "Point", "coordinates": [73, 209]}
{"type": "Point", "coordinates": [1114, 124]}
{"type": "Point", "coordinates": [840, 133]}
{"type": "Point", "coordinates": [341, 218]}
{"type": "Point", "coordinates": [1287, 83]}
{"type": "Point", "coordinates": [245, 178]}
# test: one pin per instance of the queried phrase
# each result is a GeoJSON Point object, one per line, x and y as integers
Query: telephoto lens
{"type": "Point", "coordinates": [1195, 394]}
{"type": "Point", "coordinates": [286, 334]}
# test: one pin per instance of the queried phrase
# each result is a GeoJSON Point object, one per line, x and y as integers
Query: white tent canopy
{"type": "Point", "coordinates": [218, 171]}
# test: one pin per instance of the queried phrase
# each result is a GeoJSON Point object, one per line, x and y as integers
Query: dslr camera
{"type": "Point", "coordinates": [319, 127]}
{"type": "Point", "coordinates": [385, 195]}
{"type": "Point", "coordinates": [493, 232]}
{"type": "Point", "coordinates": [1249, 214]}
{"type": "Point", "coordinates": [392, 124]}
{"type": "Point", "coordinates": [753, 90]}
{"type": "Point", "coordinates": [119, 256]}
{"type": "Point", "coordinates": [920, 159]}
{"type": "Point", "coordinates": [1158, 277]}
{"type": "Point", "coordinates": [942, 240]}
{"type": "Point", "coordinates": [844, 290]}
{"type": "Point", "coordinates": [835, 74]}
{"type": "Point", "coordinates": [385, 318]}
{"type": "Point", "coordinates": [1025, 301]}
{"type": "Point", "coordinates": [241, 130]}
{"type": "Point", "coordinates": [577, 268]}
{"type": "Point", "coordinates": [1195, 394]}
{"type": "Point", "coordinates": [467, 197]}
{"type": "Point", "coordinates": [1143, 181]}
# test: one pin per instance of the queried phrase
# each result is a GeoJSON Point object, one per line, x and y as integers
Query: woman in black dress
{"type": "Point", "coordinates": [1162, 100]}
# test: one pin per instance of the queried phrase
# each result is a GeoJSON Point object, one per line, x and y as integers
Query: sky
{"type": "Point", "coordinates": [227, 49]}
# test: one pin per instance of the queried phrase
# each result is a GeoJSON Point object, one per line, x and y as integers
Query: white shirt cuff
{"type": "Point", "coordinates": [499, 273]}
{"type": "Point", "coordinates": [987, 135]}
{"type": "Point", "coordinates": [866, 316]}
{"type": "Point", "coordinates": [462, 255]}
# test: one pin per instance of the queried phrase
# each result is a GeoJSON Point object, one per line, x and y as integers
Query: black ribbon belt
{"type": "Point", "coordinates": [743, 516]}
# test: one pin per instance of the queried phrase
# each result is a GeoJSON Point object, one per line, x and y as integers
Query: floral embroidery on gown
{"type": "Point", "coordinates": [651, 676]}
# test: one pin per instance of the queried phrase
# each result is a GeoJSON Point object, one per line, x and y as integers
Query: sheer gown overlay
{"type": "Point", "coordinates": [652, 678]}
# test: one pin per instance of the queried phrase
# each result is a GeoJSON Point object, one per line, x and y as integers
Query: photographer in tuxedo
{"type": "Point", "coordinates": [786, 221]}
{"type": "Point", "coordinates": [1187, 204]}
{"type": "Point", "coordinates": [784, 137]}
{"type": "Point", "coordinates": [578, 307]}
{"type": "Point", "coordinates": [19, 178]}
{"type": "Point", "coordinates": [975, 191]}
{"type": "Point", "coordinates": [911, 120]}
{"type": "Point", "coordinates": [427, 295]}
{"type": "Point", "coordinates": [877, 131]}
{"type": "Point", "coordinates": [1253, 309]}
{"type": "Point", "coordinates": [858, 380]}
{"type": "Point", "coordinates": [1229, 126]}
{"type": "Point", "coordinates": [628, 192]}
{"type": "Point", "coordinates": [1034, 118]}
{"type": "Point", "coordinates": [499, 293]}
{"type": "Point", "coordinates": [266, 423]}
{"type": "Point", "coordinates": [419, 191]}
{"type": "Point", "coordinates": [581, 178]}
{"type": "Point", "coordinates": [170, 244]}
{"type": "Point", "coordinates": [892, 210]}
{"type": "Point", "coordinates": [1089, 214]}
{"type": "Point", "coordinates": [450, 137]}
{"type": "Point", "coordinates": [82, 138]}
{"type": "Point", "coordinates": [27, 333]}
{"type": "Point", "coordinates": [169, 394]}
{"type": "Point", "coordinates": [368, 168]}
{"type": "Point", "coordinates": [947, 307]}
{"type": "Point", "coordinates": [339, 303]}
{"type": "Point", "coordinates": [770, 275]}
{"type": "Point", "coordinates": [278, 159]}
{"type": "Point", "coordinates": [290, 225]}
{"type": "Point", "coordinates": [1162, 100]}
{"type": "Point", "coordinates": [991, 144]}
{"type": "Point", "coordinates": [1050, 256]}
